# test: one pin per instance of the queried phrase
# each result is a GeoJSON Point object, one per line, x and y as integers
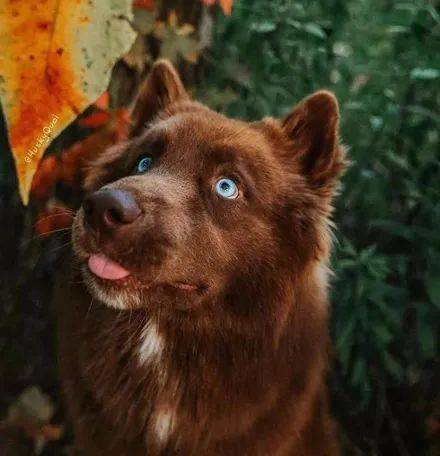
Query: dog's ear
{"type": "Point", "coordinates": [160, 89]}
{"type": "Point", "coordinates": [313, 129]}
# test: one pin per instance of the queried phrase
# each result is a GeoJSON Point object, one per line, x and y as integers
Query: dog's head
{"type": "Point", "coordinates": [196, 206]}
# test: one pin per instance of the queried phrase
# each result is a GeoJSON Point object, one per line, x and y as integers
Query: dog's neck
{"type": "Point", "coordinates": [299, 304]}
{"type": "Point", "coordinates": [188, 365]}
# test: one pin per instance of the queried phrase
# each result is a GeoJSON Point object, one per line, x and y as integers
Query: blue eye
{"type": "Point", "coordinates": [143, 165]}
{"type": "Point", "coordinates": [226, 188]}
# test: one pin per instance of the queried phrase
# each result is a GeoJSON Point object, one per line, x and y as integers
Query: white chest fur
{"type": "Point", "coordinates": [151, 345]}
{"type": "Point", "coordinates": [150, 354]}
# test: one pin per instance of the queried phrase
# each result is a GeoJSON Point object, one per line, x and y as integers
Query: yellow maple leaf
{"type": "Point", "coordinates": [55, 60]}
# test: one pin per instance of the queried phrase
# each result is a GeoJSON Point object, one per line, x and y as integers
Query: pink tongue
{"type": "Point", "coordinates": [105, 268]}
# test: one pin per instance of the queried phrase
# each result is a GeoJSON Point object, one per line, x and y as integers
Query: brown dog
{"type": "Point", "coordinates": [197, 321]}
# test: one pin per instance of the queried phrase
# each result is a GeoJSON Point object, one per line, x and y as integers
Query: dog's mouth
{"type": "Point", "coordinates": [108, 271]}
{"type": "Point", "coordinates": [105, 268]}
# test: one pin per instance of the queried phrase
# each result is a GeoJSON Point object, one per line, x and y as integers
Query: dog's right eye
{"type": "Point", "coordinates": [144, 164]}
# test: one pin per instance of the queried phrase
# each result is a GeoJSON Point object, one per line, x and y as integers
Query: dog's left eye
{"type": "Point", "coordinates": [144, 164]}
{"type": "Point", "coordinates": [226, 188]}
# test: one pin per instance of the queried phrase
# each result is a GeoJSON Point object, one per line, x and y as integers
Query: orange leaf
{"type": "Point", "coordinates": [69, 167]}
{"type": "Point", "coordinates": [52, 431]}
{"type": "Point", "coordinates": [43, 185]}
{"type": "Point", "coordinates": [95, 120]}
{"type": "Point", "coordinates": [49, 72]}
{"type": "Point", "coordinates": [75, 159]}
{"type": "Point", "coordinates": [226, 6]}
{"type": "Point", "coordinates": [103, 101]}
{"type": "Point", "coordinates": [148, 5]}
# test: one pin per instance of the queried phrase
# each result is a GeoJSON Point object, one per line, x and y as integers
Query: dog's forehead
{"type": "Point", "coordinates": [206, 134]}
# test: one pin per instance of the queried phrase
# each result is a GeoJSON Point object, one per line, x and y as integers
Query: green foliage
{"type": "Point", "coordinates": [382, 60]}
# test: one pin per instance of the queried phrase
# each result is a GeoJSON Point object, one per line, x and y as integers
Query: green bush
{"type": "Point", "coordinates": [382, 60]}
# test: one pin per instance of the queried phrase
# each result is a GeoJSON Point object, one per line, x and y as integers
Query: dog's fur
{"type": "Point", "coordinates": [217, 343]}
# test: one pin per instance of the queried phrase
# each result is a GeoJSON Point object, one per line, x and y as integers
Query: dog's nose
{"type": "Point", "coordinates": [110, 209]}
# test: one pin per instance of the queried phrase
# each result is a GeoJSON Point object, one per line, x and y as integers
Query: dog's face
{"type": "Point", "coordinates": [196, 207]}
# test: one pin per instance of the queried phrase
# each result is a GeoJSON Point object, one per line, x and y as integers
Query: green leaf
{"type": "Point", "coordinates": [392, 366]}
{"type": "Point", "coordinates": [358, 372]}
{"type": "Point", "coordinates": [315, 30]}
{"type": "Point", "coordinates": [425, 74]}
{"type": "Point", "coordinates": [432, 284]}
{"type": "Point", "coordinates": [263, 27]}
{"type": "Point", "coordinates": [383, 333]}
{"type": "Point", "coordinates": [426, 338]}
{"type": "Point", "coordinates": [343, 338]}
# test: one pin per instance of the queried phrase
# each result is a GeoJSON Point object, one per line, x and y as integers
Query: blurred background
{"type": "Point", "coordinates": [249, 59]}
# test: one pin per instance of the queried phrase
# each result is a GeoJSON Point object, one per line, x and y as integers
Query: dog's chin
{"type": "Point", "coordinates": [120, 294]}
{"type": "Point", "coordinates": [130, 293]}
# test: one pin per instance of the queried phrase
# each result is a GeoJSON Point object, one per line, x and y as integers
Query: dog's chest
{"type": "Point", "coordinates": [151, 355]}
{"type": "Point", "coordinates": [127, 361]}
{"type": "Point", "coordinates": [151, 346]}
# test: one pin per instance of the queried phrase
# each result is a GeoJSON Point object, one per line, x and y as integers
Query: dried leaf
{"type": "Point", "coordinates": [172, 19]}
{"type": "Point", "coordinates": [59, 66]}
{"type": "Point", "coordinates": [95, 120]}
{"type": "Point", "coordinates": [185, 30]}
{"type": "Point", "coordinates": [226, 5]}
{"type": "Point", "coordinates": [31, 413]}
{"type": "Point", "coordinates": [148, 5]}
{"type": "Point", "coordinates": [144, 21]}
{"type": "Point", "coordinates": [52, 431]}
{"type": "Point", "coordinates": [175, 40]}
{"type": "Point", "coordinates": [138, 56]}
{"type": "Point", "coordinates": [45, 179]}
{"type": "Point", "coordinates": [31, 408]}
{"type": "Point", "coordinates": [69, 166]}
{"type": "Point", "coordinates": [103, 102]}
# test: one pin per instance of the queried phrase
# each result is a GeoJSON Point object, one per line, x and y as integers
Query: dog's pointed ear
{"type": "Point", "coordinates": [313, 129]}
{"type": "Point", "coordinates": [160, 89]}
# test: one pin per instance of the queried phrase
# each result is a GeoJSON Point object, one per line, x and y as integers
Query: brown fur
{"type": "Point", "coordinates": [235, 290]}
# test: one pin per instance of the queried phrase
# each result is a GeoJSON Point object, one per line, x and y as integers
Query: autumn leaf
{"type": "Point", "coordinates": [148, 5]}
{"type": "Point", "coordinates": [32, 412]}
{"type": "Point", "coordinates": [68, 167]}
{"type": "Point", "coordinates": [144, 19]}
{"type": "Point", "coordinates": [59, 66]}
{"type": "Point", "coordinates": [45, 179]}
{"type": "Point", "coordinates": [226, 5]}
{"type": "Point", "coordinates": [95, 120]}
{"type": "Point", "coordinates": [103, 102]}
{"type": "Point", "coordinates": [138, 56]}
{"type": "Point", "coordinates": [176, 40]}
